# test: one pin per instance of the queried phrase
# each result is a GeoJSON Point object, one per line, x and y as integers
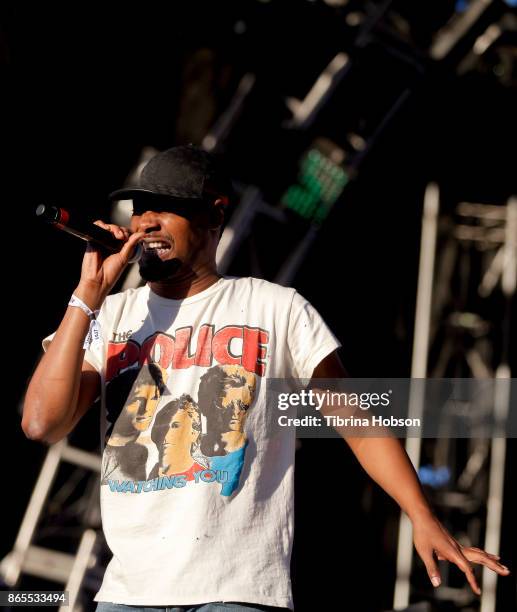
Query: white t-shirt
{"type": "Point", "coordinates": [197, 489]}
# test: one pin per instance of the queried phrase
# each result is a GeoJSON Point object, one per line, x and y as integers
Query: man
{"type": "Point", "coordinates": [176, 433]}
{"type": "Point", "coordinates": [148, 385]}
{"type": "Point", "coordinates": [167, 537]}
{"type": "Point", "coordinates": [225, 396]}
{"type": "Point", "coordinates": [126, 425]}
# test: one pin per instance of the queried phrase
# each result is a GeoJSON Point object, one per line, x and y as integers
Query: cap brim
{"type": "Point", "coordinates": [129, 193]}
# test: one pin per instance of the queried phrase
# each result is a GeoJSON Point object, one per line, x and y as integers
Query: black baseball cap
{"type": "Point", "coordinates": [183, 174]}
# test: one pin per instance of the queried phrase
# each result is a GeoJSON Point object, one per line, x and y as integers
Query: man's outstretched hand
{"type": "Point", "coordinates": [432, 539]}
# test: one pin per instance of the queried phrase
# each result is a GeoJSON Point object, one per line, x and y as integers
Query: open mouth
{"type": "Point", "coordinates": [159, 247]}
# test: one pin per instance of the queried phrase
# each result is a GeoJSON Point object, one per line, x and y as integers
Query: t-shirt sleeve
{"type": "Point", "coordinates": [95, 354]}
{"type": "Point", "coordinates": [309, 337]}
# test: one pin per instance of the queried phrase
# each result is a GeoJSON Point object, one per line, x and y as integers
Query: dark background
{"type": "Point", "coordinates": [86, 87]}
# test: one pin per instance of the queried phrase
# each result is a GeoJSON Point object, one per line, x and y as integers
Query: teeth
{"type": "Point", "coordinates": [157, 245]}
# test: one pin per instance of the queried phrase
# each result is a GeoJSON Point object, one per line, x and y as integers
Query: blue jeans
{"type": "Point", "coordinates": [216, 606]}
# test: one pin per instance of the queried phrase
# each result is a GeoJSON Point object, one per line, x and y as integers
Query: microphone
{"type": "Point", "coordinates": [104, 239]}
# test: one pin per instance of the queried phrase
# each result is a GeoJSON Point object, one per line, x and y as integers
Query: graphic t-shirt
{"type": "Point", "coordinates": [196, 484]}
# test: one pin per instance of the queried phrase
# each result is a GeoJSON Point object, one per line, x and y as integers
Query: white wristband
{"type": "Point", "coordinates": [94, 335]}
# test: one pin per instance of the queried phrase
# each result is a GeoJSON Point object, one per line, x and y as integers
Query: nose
{"type": "Point", "coordinates": [236, 409]}
{"type": "Point", "coordinates": [142, 406]}
{"type": "Point", "coordinates": [149, 222]}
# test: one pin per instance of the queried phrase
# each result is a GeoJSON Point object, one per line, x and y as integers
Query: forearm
{"type": "Point", "coordinates": [52, 394]}
{"type": "Point", "coordinates": [387, 463]}
{"type": "Point", "coordinates": [383, 458]}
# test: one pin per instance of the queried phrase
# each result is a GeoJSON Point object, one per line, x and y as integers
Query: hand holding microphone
{"type": "Point", "coordinates": [110, 249]}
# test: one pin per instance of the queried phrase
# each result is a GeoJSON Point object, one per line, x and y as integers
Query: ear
{"type": "Point", "coordinates": [217, 213]}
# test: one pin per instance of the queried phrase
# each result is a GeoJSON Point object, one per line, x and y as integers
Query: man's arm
{"type": "Point", "coordinates": [387, 463]}
{"type": "Point", "coordinates": [63, 385]}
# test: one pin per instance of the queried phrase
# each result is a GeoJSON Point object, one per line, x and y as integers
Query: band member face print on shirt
{"type": "Point", "coordinates": [239, 390]}
{"type": "Point", "coordinates": [126, 453]}
{"type": "Point", "coordinates": [143, 406]}
{"type": "Point", "coordinates": [176, 432]}
{"type": "Point", "coordinates": [140, 405]}
{"type": "Point", "coordinates": [202, 441]}
{"type": "Point", "coordinates": [225, 394]}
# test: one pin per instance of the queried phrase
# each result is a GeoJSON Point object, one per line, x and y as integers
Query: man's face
{"type": "Point", "coordinates": [184, 430]}
{"type": "Point", "coordinates": [178, 239]}
{"type": "Point", "coordinates": [144, 402]}
{"type": "Point", "coordinates": [234, 407]}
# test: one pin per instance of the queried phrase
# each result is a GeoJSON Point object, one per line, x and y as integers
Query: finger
{"type": "Point", "coordinates": [483, 558]}
{"type": "Point", "coordinates": [475, 548]}
{"type": "Point", "coordinates": [466, 568]}
{"type": "Point", "coordinates": [101, 224]}
{"type": "Point", "coordinates": [127, 250]}
{"type": "Point", "coordinates": [432, 569]}
{"type": "Point", "coordinates": [122, 233]}
{"type": "Point", "coordinates": [117, 231]}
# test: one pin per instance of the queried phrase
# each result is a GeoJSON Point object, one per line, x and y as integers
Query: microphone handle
{"type": "Point", "coordinates": [61, 219]}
